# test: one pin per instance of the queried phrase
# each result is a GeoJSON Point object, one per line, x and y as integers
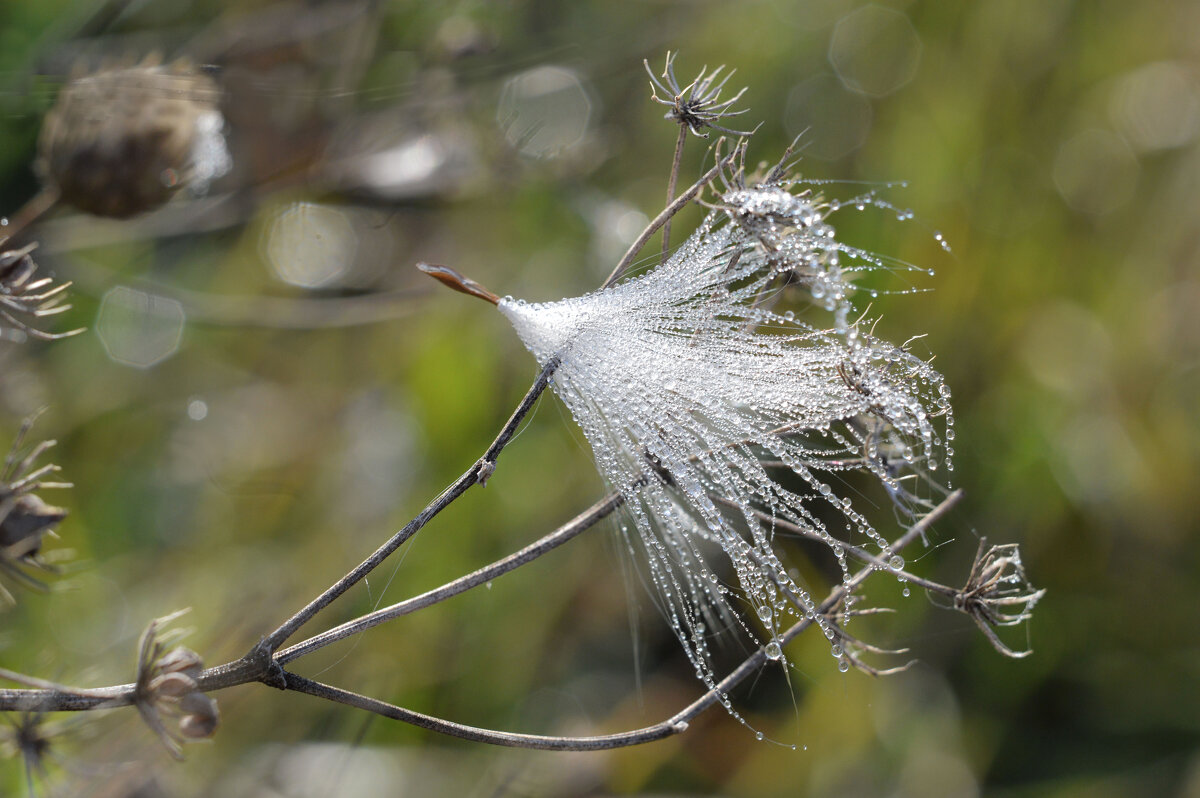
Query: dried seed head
{"type": "Point", "coordinates": [122, 141]}
{"type": "Point", "coordinates": [998, 593]}
{"type": "Point", "coordinates": [21, 295]}
{"type": "Point", "coordinates": [26, 523]}
{"type": "Point", "coordinates": [167, 687]}
{"type": "Point", "coordinates": [25, 519]}
{"type": "Point", "coordinates": [698, 105]}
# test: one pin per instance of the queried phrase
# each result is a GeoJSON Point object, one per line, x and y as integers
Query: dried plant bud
{"type": "Point", "coordinates": [120, 142]}
{"type": "Point", "coordinates": [21, 295]}
{"type": "Point", "coordinates": [200, 718]}
{"type": "Point", "coordinates": [998, 593]}
{"type": "Point", "coordinates": [29, 519]}
{"type": "Point", "coordinates": [173, 685]}
{"type": "Point", "coordinates": [167, 688]}
{"type": "Point", "coordinates": [181, 661]}
{"type": "Point", "coordinates": [25, 519]}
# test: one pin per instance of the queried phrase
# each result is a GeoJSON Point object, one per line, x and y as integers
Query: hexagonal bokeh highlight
{"type": "Point", "coordinates": [1095, 172]}
{"type": "Point", "coordinates": [833, 120]}
{"type": "Point", "coordinates": [544, 111]}
{"type": "Point", "coordinates": [1157, 106]}
{"type": "Point", "coordinates": [875, 50]}
{"type": "Point", "coordinates": [139, 329]}
{"type": "Point", "coordinates": [309, 245]}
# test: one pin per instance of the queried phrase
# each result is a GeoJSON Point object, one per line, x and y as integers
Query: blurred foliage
{"type": "Point", "coordinates": [275, 441]}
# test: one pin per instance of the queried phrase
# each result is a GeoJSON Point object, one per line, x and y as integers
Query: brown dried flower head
{"type": "Point", "coordinates": [122, 141]}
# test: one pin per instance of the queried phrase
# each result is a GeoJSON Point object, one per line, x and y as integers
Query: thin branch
{"type": "Point", "coordinates": [666, 214]}
{"type": "Point", "coordinates": [40, 204]}
{"type": "Point", "coordinates": [43, 684]}
{"type": "Point", "coordinates": [673, 725]}
{"type": "Point", "coordinates": [476, 734]}
{"type": "Point", "coordinates": [245, 670]}
{"type": "Point", "coordinates": [476, 474]}
{"type": "Point", "coordinates": [666, 248]}
{"type": "Point", "coordinates": [580, 523]}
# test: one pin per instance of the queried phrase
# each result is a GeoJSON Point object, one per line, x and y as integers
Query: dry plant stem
{"type": "Point", "coordinates": [475, 734]}
{"type": "Point", "coordinates": [673, 725]}
{"type": "Point", "coordinates": [476, 474]}
{"type": "Point", "coordinates": [30, 212]}
{"type": "Point", "coordinates": [666, 248]}
{"type": "Point", "coordinates": [580, 523]}
{"type": "Point", "coordinates": [66, 699]}
{"type": "Point", "coordinates": [43, 684]}
{"type": "Point", "coordinates": [258, 665]}
{"type": "Point", "coordinates": [666, 215]}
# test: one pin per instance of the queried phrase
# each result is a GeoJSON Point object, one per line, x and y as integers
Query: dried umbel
{"type": "Point", "coordinates": [998, 593]}
{"type": "Point", "coordinates": [166, 688]}
{"type": "Point", "coordinates": [25, 519]}
{"type": "Point", "coordinates": [697, 105]}
{"type": "Point", "coordinates": [122, 141]}
{"type": "Point", "coordinates": [22, 295]}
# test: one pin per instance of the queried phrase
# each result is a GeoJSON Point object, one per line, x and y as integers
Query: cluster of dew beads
{"type": "Point", "coordinates": [724, 423]}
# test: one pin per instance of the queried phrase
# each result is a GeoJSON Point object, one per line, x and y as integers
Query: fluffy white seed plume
{"type": "Point", "coordinates": [717, 417]}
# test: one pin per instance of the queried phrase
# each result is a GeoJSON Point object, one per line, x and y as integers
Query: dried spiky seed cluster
{"type": "Point", "coordinates": [22, 295]}
{"type": "Point", "coordinates": [24, 518]}
{"type": "Point", "coordinates": [998, 593]}
{"type": "Point", "coordinates": [697, 105]}
{"type": "Point", "coordinates": [122, 141]}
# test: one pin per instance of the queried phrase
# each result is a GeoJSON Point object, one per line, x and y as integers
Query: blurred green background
{"type": "Point", "coordinates": [296, 391]}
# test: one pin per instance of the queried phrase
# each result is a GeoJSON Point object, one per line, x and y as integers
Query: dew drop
{"type": "Point", "coordinates": [758, 736]}
{"type": "Point", "coordinates": [896, 562]}
{"type": "Point", "coordinates": [843, 665]}
{"type": "Point", "coordinates": [773, 651]}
